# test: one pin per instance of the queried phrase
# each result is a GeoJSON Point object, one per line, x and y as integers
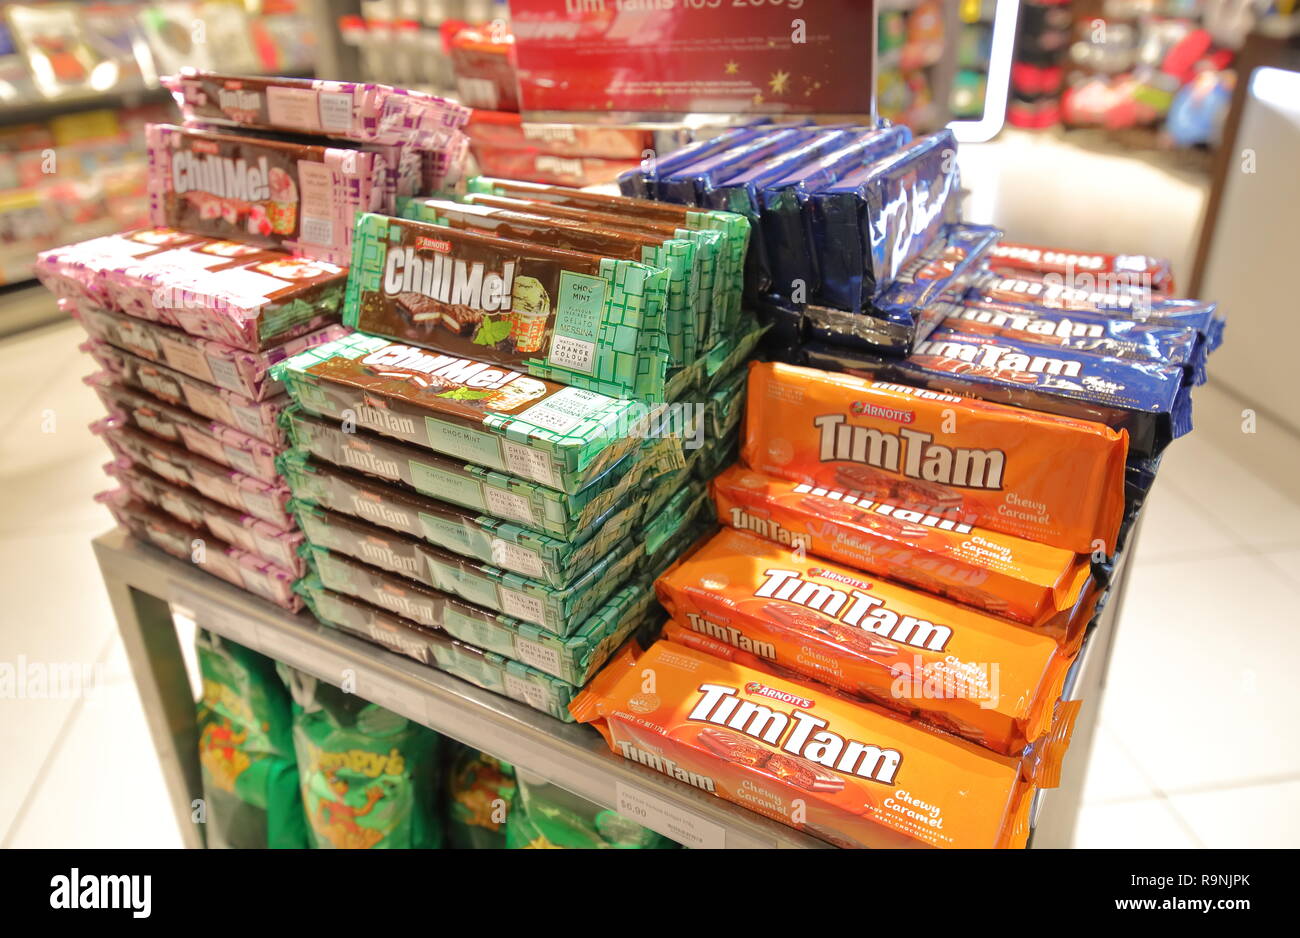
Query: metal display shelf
{"type": "Point", "coordinates": [143, 582]}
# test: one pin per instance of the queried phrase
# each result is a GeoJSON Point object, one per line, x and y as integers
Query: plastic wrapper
{"type": "Point", "coordinates": [257, 419]}
{"type": "Point", "coordinates": [912, 306]}
{"type": "Point", "coordinates": [562, 437]}
{"type": "Point", "coordinates": [238, 371]}
{"type": "Point", "coordinates": [1001, 574]}
{"type": "Point", "coordinates": [463, 531]}
{"type": "Point", "coordinates": [1052, 479]}
{"type": "Point", "coordinates": [1038, 295]}
{"type": "Point", "coordinates": [237, 567]}
{"type": "Point", "coordinates": [735, 231]}
{"type": "Point", "coordinates": [558, 611]}
{"type": "Point", "coordinates": [674, 256]}
{"type": "Point", "coordinates": [1080, 331]}
{"type": "Point", "coordinates": [250, 776]}
{"type": "Point", "coordinates": [79, 271]}
{"type": "Point", "coordinates": [708, 283]}
{"type": "Point", "coordinates": [576, 519]}
{"type": "Point", "coordinates": [692, 183]}
{"type": "Point", "coordinates": [850, 773]}
{"type": "Point", "coordinates": [216, 441]}
{"type": "Point", "coordinates": [787, 213]}
{"type": "Point", "coordinates": [1147, 400]}
{"type": "Point", "coordinates": [235, 527]}
{"type": "Point", "coordinates": [485, 669]}
{"type": "Point", "coordinates": [869, 225]}
{"type": "Point", "coordinates": [590, 321]}
{"type": "Point", "coordinates": [236, 294]}
{"type": "Point", "coordinates": [643, 183]}
{"type": "Point", "coordinates": [357, 111]}
{"type": "Point", "coordinates": [1011, 258]}
{"type": "Point", "coordinates": [983, 678]}
{"type": "Point", "coordinates": [263, 500]}
{"type": "Point", "coordinates": [369, 776]}
{"type": "Point", "coordinates": [295, 196]}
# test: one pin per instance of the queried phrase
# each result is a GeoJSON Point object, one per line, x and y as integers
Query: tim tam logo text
{"type": "Point", "coordinates": [762, 690]}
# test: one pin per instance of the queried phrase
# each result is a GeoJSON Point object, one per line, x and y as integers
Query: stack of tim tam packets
{"type": "Point", "coordinates": [491, 471]}
{"type": "Point", "coordinates": [252, 201]}
{"type": "Point", "coordinates": [938, 472]}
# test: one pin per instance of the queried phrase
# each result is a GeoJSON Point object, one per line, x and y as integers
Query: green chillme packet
{"type": "Point", "coordinates": [250, 779]}
{"type": "Point", "coordinates": [368, 775]}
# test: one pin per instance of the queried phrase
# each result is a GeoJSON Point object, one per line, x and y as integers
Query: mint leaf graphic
{"type": "Point", "coordinates": [492, 331]}
{"type": "Point", "coordinates": [464, 394]}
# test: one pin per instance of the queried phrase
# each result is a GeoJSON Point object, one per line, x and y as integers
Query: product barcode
{"type": "Point", "coordinates": [317, 230]}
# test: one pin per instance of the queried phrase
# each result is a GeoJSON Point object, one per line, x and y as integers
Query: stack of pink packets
{"type": "Point", "coordinates": [253, 201]}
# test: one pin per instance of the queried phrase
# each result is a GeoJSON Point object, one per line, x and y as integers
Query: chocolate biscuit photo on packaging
{"type": "Point", "coordinates": [590, 322]}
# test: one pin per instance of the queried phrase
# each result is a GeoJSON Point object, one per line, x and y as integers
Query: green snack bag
{"type": "Point", "coordinates": [250, 778]}
{"type": "Point", "coordinates": [369, 776]}
{"type": "Point", "coordinates": [546, 817]}
{"type": "Point", "coordinates": [479, 791]}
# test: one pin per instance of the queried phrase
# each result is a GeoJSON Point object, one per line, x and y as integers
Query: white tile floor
{"type": "Point", "coordinates": [1196, 745]}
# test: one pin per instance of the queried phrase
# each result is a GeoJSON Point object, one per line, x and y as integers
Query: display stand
{"type": "Point", "coordinates": [143, 583]}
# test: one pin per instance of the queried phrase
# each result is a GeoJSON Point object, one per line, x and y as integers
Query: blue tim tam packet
{"type": "Point", "coordinates": [740, 194]}
{"type": "Point", "coordinates": [643, 182]}
{"type": "Point", "coordinates": [868, 226]}
{"type": "Point", "coordinates": [914, 304]}
{"type": "Point", "coordinates": [1147, 399]}
{"type": "Point", "coordinates": [1080, 331]}
{"type": "Point", "coordinates": [784, 223]}
{"type": "Point", "coordinates": [692, 184]}
{"type": "Point", "coordinates": [1048, 294]}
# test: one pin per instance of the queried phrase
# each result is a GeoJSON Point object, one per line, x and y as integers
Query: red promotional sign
{"type": "Point", "coordinates": [711, 56]}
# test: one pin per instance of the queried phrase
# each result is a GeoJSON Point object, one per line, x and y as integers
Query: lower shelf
{"type": "Point", "coordinates": [145, 583]}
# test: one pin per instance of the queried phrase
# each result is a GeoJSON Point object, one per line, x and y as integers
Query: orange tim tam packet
{"type": "Point", "coordinates": [988, 680]}
{"type": "Point", "coordinates": [850, 773]}
{"type": "Point", "coordinates": [1055, 480]}
{"type": "Point", "coordinates": [1000, 573]}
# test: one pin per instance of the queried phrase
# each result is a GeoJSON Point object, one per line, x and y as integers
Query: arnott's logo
{"type": "Point", "coordinates": [762, 690]}
{"type": "Point", "coordinates": [895, 414]}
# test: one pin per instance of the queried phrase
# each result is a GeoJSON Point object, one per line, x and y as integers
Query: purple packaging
{"type": "Point", "coordinates": [692, 184]}
{"type": "Point", "coordinates": [258, 419]}
{"type": "Point", "coordinates": [237, 370]}
{"type": "Point", "coordinates": [216, 441]}
{"type": "Point", "coordinates": [292, 196]}
{"type": "Point", "coordinates": [642, 183]}
{"type": "Point", "coordinates": [740, 194]}
{"type": "Point", "coordinates": [357, 111]}
{"type": "Point", "coordinates": [911, 308]}
{"type": "Point", "coordinates": [237, 567]}
{"type": "Point", "coordinates": [263, 500]}
{"type": "Point", "coordinates": [1017, 292]}
{"type": "Point", "coordinates": [227, 524]}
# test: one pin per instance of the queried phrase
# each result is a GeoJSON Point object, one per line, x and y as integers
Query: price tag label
{"type": "Point", "coordinates": [673, 822]}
